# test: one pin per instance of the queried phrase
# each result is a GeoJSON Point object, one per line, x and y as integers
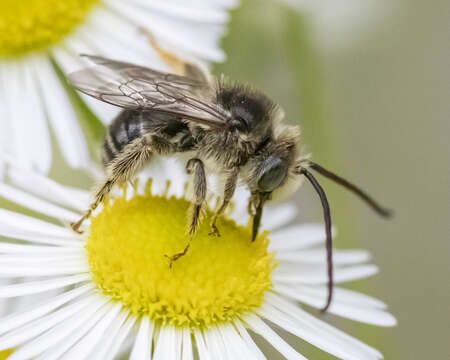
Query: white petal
{"type": "Point", "coordinates": [203, 353]}
{"type": "Point", "coordinates": [72, 267]}
{"type": "Point", "coordinates": [215, 345]}
{"type": "Point", "coordinates": [121, 336]}
{"type": "Point", "coordinates": [59, 332]}
{"type": "Point", "coordinates": [276, 216]}
{"type": "Point", "coordinates": [187, 353]}
{"type": "Point", "coordinates": [62, 116]}
{"type": "Point", "coordinates": [45, 188]}
{"type": "Point", "coordinates": [68, 342]}
{"type": "Point", "coordinates": [86, 345]}
{"type": "Point", "coordinates": [39, 326]}
{"type": "Point", "coordinates": [27, 288]}
{"type": "Point", "coordinates": [168, 345]}
{"type": "Point", "coordinates": [318, 256]}
{"type": "Point", "coordinates": [11, 220]}
{"type": "Point", "coordinates": [233, 343]}
{"type": "Point", "coordinates": [37, 122]}
{"type": "Point", "coordinates": [340, 295]}
{"type": "Point", "coordinates": [248, 340]}
{"type": "Point", "coordinates": [143, 344]}
{"type": "Point", "coordinates": [310, 334]}
{"type": "Point", "coordinates": [319, 276]}
{"type": "Point", "coordinates": [38, 205]}
{"type": "Point", "coordinates": [22, 317]}
{"type": "Point", "coordinates": [8, 248]}
{"type": "Point", "coordinates": [297, 237]}
{"type": "Point", "coordinates": [261, 328]}
{"type": "Point", "coordinates": [184, 12]}
{"type": "Point", "coordinates": [109, 337]}
{"type": "Point", "coordinates": [20, 137]}
{"type": "Point", "coordinates": [175, 32]}
{"type": "Point", "coordinates": [321, 326]}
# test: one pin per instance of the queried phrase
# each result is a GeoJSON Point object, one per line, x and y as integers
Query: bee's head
{"type": "Point", "coordinates": [250, 110]}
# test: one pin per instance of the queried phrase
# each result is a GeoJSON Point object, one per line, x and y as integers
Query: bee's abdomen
{"type": "Point", "coordinates": [125, 128]}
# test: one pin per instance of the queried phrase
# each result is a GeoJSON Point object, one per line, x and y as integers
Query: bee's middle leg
{"type": "Point", "coordinates": [230, 187]}
{"type": "Point", "coordinates": [194, 166]}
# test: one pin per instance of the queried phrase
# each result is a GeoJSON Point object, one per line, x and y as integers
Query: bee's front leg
{"type": "Point", "coordinates": [230, 187]}
{"type": "Point", "coordinates": [194, 166]}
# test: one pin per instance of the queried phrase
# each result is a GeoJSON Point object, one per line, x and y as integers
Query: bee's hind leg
{"type": "Point", "coordinates": [194, 166]}
{"type": "Point", "coordinates": [230, 187]}
{"type": "Point", "coordinates": [122, 169]}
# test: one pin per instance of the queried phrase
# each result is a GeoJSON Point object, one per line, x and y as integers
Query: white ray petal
{"type": "Point", "coordinates": [203, 352]}
{"type": "Point", "coordinates": [13, 220]}
{"type": "Point", "coordinates": [234, 343]}
{"type": "Point", "coordinates": [44, 187]}
{"type": "Point", "coordinates": [40, 139]}
{"type": "Point", "coordinates": [142, 347]}
{"type": "Point", "coordinates": [39, 326]}
{"type": "Point", "coordinates": [5, 124]}
{"type": "Point", "coordinates": [120, 338]}
{"type": "Point", "coordinates": [9, 248]}
{"type": "Point", "coordinates": [319, 276]}
{"type": "Point", "coordinates": [36, 204]}
{"type": "Point", "coordinates": [168, 345]}
{"type": "Point", "coordinates": [20, 137]}
{"type": "Point", "coordinates": [276, 216]}
{"type": "Point", "coordinates": [62, 116]}
{"type": "Point", "coordinates": [83, 349]}
{"type": "Point", "coordinates": [110, 336]}
{"type": "Point", "coordinates": [174, 32]}
{"type": "Point", "coordinates": [340, 295]}
{"type": "Point", "coordinates": [309, 334]}
{"type": "Point", "coordinates": [184, 12]}
{"type": "Point", "coordinates": [318, 256]}
{"type": "Point", "coordinates": [300, 315]}
{"type": "Point", "coordinates": [13, 233]}
{"type": "Point", "coordinates": [367, 315]}
{"type": "Point", "coordinates": [261, 328]}
{"type": "Point", "coordinates": [61, 331]}
{"type": "Point", "coordinates": [214, 344]}
{"type": "Point", "coordinates": [297, 237]}
{"type": "Point", "coordinates": [56, 351]}
{"type": "Point", "coordinates": [77, 267]}
{"type": "Point", "coordinates": [34, 287]}
{"type": "Point", "coordinates": [22, 317]}
{"type": "Point", "coordinates": [187, 353]}
{"type": "Point", "coordinates": [248, 340]}
{"type": "Point", "coordinates": [40, 259]}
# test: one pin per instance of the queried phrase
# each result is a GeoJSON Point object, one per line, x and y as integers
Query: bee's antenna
{"type": "Point", "coordinates": [327, 217]}
{"type": "Point", "coordinates": [386, 213]}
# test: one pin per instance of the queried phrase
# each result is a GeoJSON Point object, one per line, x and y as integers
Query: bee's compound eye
{"type": "Point", "coordinates": [273, 174]}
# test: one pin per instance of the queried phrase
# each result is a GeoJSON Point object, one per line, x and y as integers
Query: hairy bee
{"type": "Point", "coordinates": [238, 130]}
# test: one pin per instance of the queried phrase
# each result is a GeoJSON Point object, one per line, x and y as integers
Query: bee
{"type": "Point", "coordinates": [227, 128]}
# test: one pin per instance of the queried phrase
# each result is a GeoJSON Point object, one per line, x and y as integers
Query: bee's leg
{"type": "Point", "coordinates": [177, 65]}
{"type": "Point", "coordinates": [230, 187]}
{"type": "Point", "coordinates": [194, 166]}
{"type": "Point", "coordinates": [122, 169]}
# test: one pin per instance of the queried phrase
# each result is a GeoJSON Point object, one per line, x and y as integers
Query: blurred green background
{"type": "Point", "coordinates": [370, 86]}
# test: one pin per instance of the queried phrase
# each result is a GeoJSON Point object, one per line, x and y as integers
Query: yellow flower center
{"type": "Point", "coordinates": [217, 280]}
{"type": "Point", "coordinates": [27, 25]}
{"type": "Point", "coordinates": [5, 354]}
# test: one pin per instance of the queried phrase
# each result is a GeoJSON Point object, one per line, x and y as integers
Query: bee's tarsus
{"type": "Point", "coordinates": [214, 230]}
{"type": "Point", "coordinates": [176, 256]}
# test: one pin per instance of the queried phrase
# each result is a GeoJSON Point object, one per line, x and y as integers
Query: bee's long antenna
{"type": "Point", "coordinates": [327, 217]}
{"type": "Point", "coordinates": [353, 188]}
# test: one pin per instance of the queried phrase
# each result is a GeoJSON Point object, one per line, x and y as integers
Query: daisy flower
{"type": "Point", "coordinates": [117, 295]}
{"type": "Point", "coordinates": [41, 38]}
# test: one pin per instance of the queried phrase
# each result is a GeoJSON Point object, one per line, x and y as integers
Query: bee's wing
{"type": "Point", "coordinates": [136, 87]}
